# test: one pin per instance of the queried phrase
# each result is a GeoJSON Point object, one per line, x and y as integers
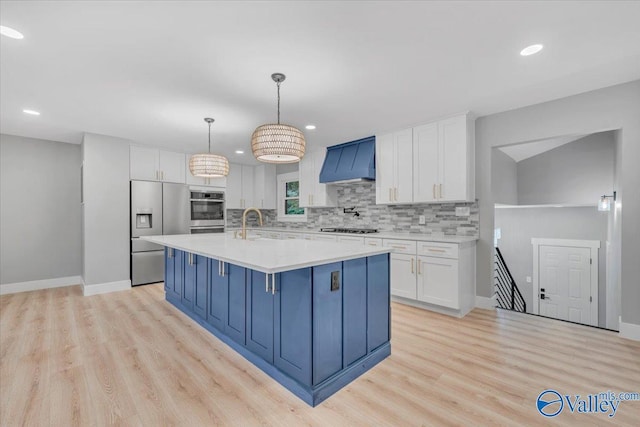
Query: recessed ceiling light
{"type": "Point", "coordinates": [530, 50]}
{"type": "Point", "coordinates": [10, 32]}
{"type": "Point", "coordinates": [310, 127]}
{"type": "Point", "coordinates": [239, 152]}
{"type": "Point", "coordinates": [32, 112]}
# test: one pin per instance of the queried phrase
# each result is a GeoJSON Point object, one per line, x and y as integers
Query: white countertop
{"type": "Point", "coordinates": [265, 255]}
{"type": "Point", "coordinates": [422, 237]}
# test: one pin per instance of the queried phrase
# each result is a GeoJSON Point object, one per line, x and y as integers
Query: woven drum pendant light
{"type": "Point", "coordinates": [276, 142]}
{"type": "Point", "coordinates": [207, 165]}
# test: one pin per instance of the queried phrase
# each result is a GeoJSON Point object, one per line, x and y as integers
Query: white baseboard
{"type": "Point", "coordinates": [105, 288]}
{"type": "Point", "coordinates": [629, 330]}
{"type": "Point", "coordinates": [34, 285]}
{"type": "Point", "coordinates": [487, 303]}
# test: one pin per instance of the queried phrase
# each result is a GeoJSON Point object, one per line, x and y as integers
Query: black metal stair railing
{"type": "Point", "coordinates": [508, 295]}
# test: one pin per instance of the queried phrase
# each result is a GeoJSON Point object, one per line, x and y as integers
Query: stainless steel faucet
{"type": "Point", "coordinates": [243, 233]}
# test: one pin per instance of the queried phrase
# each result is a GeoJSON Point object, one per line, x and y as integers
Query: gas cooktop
{"type": "Point", "coordinates": [350, 230]}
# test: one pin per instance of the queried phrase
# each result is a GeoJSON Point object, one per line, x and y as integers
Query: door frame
{"type": "Point", "coordinates": [592, 245]}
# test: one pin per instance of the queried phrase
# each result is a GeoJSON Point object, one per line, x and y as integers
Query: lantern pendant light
{"type": "Point", "coordinates": [207, 165]}
{"type": "Point", "coordinates": [276, 142]}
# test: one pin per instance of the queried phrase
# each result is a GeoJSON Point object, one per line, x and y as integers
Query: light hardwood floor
{"type": "Point", "coordinates": [130, 358]}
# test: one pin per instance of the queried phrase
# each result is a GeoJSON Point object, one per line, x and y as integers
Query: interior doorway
{"type": "Point", "coordinates": [565, 279]}
{"type": "Point", "coordinates": [549, 191]}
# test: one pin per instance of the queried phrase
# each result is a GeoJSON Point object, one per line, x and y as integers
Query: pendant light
{"type": "Point", "coordinates": [276, 142]}
{"type": "Point", "coordinates": [207, 165]}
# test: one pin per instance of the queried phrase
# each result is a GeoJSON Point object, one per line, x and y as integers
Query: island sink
{"type": "Point", "coordinates": [314, 325]}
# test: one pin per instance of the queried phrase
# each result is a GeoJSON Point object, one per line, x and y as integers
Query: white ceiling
{"type": "Point", "coordinates": [151, 71]}
{"type": "Point", "coordinates": [523, 151]}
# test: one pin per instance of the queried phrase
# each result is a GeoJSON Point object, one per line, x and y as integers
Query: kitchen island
{"type": "Point", "coordinates": [312, 315]}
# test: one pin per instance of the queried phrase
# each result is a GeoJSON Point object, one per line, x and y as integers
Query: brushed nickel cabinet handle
{"type": "Point", "coordinates": [390, 194]}
{"type": "Point", "coordinates": [434, 191]}
{"type": "Point", "coordinates": [398, 247]}
{"type": "Point", "coordinates": [441, 191]}
{"type": "Point", "coordinates": [436, 250]}
{"type": "Point", "coordinates": [411, 265]}
{"type": "Point", "coordinates": [266, 282]}
{"type": "Point", "coordinates": [419, 262]}
{"type": "Point", "coordinates": [273, 283]}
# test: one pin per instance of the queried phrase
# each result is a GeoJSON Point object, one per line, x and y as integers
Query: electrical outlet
{"type": "Point", "coordinates": [463, 211]}
{"type": "Point", "coordinates": [422, 220]}
{"type": "Point", "coordinates": [335, 280]}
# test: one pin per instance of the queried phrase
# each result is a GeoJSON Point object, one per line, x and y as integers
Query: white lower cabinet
{"type": "Point", "coordinates": [434, 275]}
{"type": "Point", "coordinates": [438, 281]}
{"type": "Point", "coordinates": [403, 275]}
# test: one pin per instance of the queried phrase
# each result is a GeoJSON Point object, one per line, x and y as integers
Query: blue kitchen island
{"type": "Point", "coordinates": [312, 315]}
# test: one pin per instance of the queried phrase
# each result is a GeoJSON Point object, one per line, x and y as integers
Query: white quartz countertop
{"type": "Point", "coordinates": [421, 237]}
{"type": "Point", "coordinates": [265, 255]}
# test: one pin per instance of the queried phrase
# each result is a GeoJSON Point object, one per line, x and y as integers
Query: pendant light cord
{"type": "Point", "coordinates": [278, 83]}
{"type": "Point", "coordinates": [209, 137]}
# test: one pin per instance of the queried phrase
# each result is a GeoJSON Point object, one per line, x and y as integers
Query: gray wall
{"type": "Point", "coordinates": [39, 209]}
{"type": "Point", "coordinates": [519, 225]}
{"type": "Point", "coordinates": [106, 209]}
{"type": "Point", "coordinates": [504, 178]}
{"type": "Point", "coordinates": [575, 173]}
{"type": "Point", "coordinates": [616, 107]}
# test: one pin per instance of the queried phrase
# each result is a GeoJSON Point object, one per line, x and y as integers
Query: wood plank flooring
{"type": "Point", "coordinates": [130, 358]}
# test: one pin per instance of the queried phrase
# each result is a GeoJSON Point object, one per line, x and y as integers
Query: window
{"type": "Point", "coordinates": [289, 198]}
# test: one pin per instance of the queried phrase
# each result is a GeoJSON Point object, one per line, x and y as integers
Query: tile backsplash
{"type": "Point", "coordinates": [441, 219]}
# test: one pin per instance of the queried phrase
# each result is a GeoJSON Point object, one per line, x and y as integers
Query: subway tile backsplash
{"type": "Point", "coordinates": [441, 219]}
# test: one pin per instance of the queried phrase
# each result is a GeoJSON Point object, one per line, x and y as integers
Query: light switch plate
{"type": "Point", "coordinates": [463, 211]}
{"type": "Point", "coordinates": [422, 220]}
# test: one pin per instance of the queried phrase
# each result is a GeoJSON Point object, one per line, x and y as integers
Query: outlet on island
{"type": "Point", "coordinates": [335, 280]}
{"type": "Point", "coordinates": [422, 220]}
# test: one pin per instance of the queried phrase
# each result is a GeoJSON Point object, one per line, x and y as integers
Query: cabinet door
{"type": "Point", "coordinates": [247, 187]}
{"type": "Point", "coordinates": [233, 194]}
{"type": "Point", "coordinates": [354, 310]}
{"type": "Point", "coordinates": [307, 181]}
{"type": "Point", "coordinates": [144, 163]}
{"type": "Point", "coordinates": [189, 178]}
{"type": "Point", "coordinates": [453, 159]}
{"type": "Point", "coordinates": [323, 195]}
{"type": "Point", "coordinates": [190, 277]}
{"type": "Point", "coordinates": [425, 163]}
{"type": "Point", "coordinates": [378, 313]}
{"type": "Point", "coordinates": [403, 275]}
{"type": "Point", "coordinates": [174, 272]}
{"type": "Point", "coordinates": [235, 325]}
{"type": "Point", "coordinates": [403, 164]}
{"type": "Point", "coordinates": [202, 286]}
{"type": "Point", "coordinates": [327, 322]}
{"type": "Point", "coordinates": [384, 169]}
{"type": "Point", "coordinates": [264, 186]}
{"type": "Point", "coordinates": [292, 324]}
{"type": "Point", "coordinates": [259, 315]}
{"type": "Point", "coordinates": [438, 281]}
{"type": "Point", "coordinates": [218, 296]}
{"type": "Point", "coordinates": [172, 167]}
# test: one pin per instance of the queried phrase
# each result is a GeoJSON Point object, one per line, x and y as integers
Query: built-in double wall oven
{"type": "Point", "coordinates": [207, 211]}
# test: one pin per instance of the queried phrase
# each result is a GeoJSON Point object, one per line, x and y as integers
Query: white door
{"type": "Point", "coordinates": [233, 195]}
{"type": "Point", "coordinates": [403, 275]}
{"type": "Point", "coordinates": [384, 169]}
{"type": "Point", "coordinates": [453, 155]}
{"type": "Point", "coordinates": [144, 163]}
{"type": "Point", "coordinates": [425, 163]}
{"type": "Point", "coordinates": [172, 167]}
{"type": "Point", "coordinates": [565, 283]}
{"type": "Point", "coordinates": [403, 163]}
{"type": "Point", "coordinates": [247, 187]}
{"type": "Point", "coordinates": [306, 185]}
{"type": "Point", "coordinates": [438, 281]}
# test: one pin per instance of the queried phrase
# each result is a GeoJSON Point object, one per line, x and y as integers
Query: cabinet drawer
{"type": "Point", "coordinates": [351, 240]}
{"type": "Point", "coordinates": [272, 235]}
{"type": "Point", "coordinates": [372, 241]}
{"type": "Point", "coordinates": [292, 236]}
{"type": "Point", "coordinates": [322, 237]}
{"type": "Point", "coordinates": [401, 246]}
{"type": "Point", "coordinates": [438, 249]}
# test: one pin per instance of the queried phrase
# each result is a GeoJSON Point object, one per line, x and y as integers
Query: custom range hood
{"type": "Point", "coordinates": [350, 162]}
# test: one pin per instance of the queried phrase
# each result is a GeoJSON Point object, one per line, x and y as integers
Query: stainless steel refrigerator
{"type": "Point", "coordinates": [156, 208]}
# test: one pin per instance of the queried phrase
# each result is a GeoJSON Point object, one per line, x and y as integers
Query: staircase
{"type": "Point", "coordinates": [508, 295]}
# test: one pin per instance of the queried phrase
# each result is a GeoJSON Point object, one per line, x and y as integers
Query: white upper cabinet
{"type": "Point", "coordinates": [196, 180]}
{"type": "Point", "coordinates": [239, 193]}
{"type": "Point", "coordinates": [151, 164]}
{"type": "Point", "coordinates": [394, 175]}
{"type": "Point", "coordinates": [426, 164]}
{"type": "Point", "coordinates": [312, 192]}
{"type": "Point", "coordinates": [264, 186]}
